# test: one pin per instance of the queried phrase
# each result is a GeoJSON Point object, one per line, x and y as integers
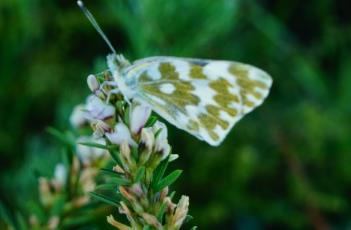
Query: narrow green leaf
{"type": "Point", "coordinates": [114, 153]}
{"type": "Point", "coordinates": [58, 205]}
{"type": "Point", "coordinates": [151, 121]}
{"type": "Point", "coordinates": [147, 227]}
{"type": "Point", "coordinates": [5, 215]}
{"type": "Point", "coordinates": [135, 153]}
{"type": "Point", "coordinates": [168, 180]}
{"type": "Point", "coordinates": [172, 195]}
{"type": "Point", "coordinates": [106, 187]}
{"type": "Point", "coordinates": [110, 172]}
{"type": "Point", "coordinates": [95, 145]}
{"type": "Point", "coordinates": [104, 198]}
{"type": "Point", "coordinates": [158, 132]}
{"type": "Point", "coordinates": [120, 107]}
{"type": "Point", "coordinates": [37, 210]}
{"type": "Point", "coordinates": [140, 174]}
{"type": "Point", "coordinates": [194, 228]}
{"type": "Point", "coordinates": [126, 116]}
{"type": "Point", "coordinates": [119, 181]}
{"type": "Point", "coordinates": [63, 137]}
{"type": "Point", "coordinates": [160, 171]}
{"type": "Point", "coordinates": [161, 212]}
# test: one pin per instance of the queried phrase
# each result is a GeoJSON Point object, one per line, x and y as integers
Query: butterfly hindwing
{"type": "Point", "coordinates": [204, 97]}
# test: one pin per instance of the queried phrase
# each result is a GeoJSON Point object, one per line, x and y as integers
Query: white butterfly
{"type": "Point", "coordinates": [203, 97]}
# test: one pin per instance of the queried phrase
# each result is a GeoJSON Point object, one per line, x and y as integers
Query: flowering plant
{"type": "Point", "coordinates": [138, 145]}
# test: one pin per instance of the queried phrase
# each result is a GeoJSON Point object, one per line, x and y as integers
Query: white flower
{"type": "Point", "coordinates": [138, 117]}
{"type": "Point", "coordinates": [97, 109]}
{"type": "Point", "coordinates": [147, 138]}
{"type": "Point", "coordinates": [100, 128]}
{"type": "Point", "coordinates": [180, 212]}
{"type": "Point", "coordinates": [60, 174]}
{"type": "Point", "coordinates": [89, 154]}
{"type": "Point", "coordinates": [164, 148]}
{"type": "Point", "coordinates": [120, 134]}
{"type": "Point", "coordinates": [161, 142]}
{"type": "Point", "coordinates": [161, 128]}
{"type": "Point", "coordinates": [78, 116]}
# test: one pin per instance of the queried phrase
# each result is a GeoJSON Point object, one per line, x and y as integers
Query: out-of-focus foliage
{"type": "Point", "coordinates": [285, 165]}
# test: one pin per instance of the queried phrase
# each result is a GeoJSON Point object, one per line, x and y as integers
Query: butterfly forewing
{"type": "Point", "coordinates": [204, 97]}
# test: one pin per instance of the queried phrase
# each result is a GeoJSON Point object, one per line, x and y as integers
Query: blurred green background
{"type": "Point", "coordinates": [286, 165]}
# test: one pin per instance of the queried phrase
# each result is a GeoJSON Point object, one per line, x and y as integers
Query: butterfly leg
{"type": "Point", "coordinates": [107, 83]}
{"type": "Point", "coordinates": [111, 92]}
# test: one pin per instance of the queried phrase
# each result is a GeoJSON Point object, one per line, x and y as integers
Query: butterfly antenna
{"type": "Point", "coordinates": [96, 25]}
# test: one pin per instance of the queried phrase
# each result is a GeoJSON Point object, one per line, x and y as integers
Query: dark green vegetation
{"type": "Point", "coordinates": [285, 165]}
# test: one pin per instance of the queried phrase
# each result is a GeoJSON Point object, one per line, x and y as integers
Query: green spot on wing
{"type": "Point", "coordinates": [196, 72]}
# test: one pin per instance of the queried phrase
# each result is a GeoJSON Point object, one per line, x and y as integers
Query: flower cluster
{"type": "Point", "coordinates": [138, 143]}
{"type": "Point", "coordinates": [79, 176]}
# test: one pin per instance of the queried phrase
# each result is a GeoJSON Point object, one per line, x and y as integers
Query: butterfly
{"type": "Point", "coordinates": [206, 98]}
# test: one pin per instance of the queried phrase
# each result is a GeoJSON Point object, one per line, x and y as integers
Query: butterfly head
{"type": "Point", "coordinates": [116, 63]}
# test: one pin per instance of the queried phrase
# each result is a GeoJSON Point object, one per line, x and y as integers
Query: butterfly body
{"type": "Point", "coordinates": [203, 97]}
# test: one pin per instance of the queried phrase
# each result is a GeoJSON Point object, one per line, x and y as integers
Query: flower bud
{"type": "Point", "coordinates": [161, 142]}
{"type": "Point", "coordinates": [170, 205]}
{"type": "Point", "coordinates": [118, 169]}
{"type": "Point", "coordinates": [180, 212]}
{"type": "Point", "coordinates": [93, 83]}
{"type": "Point", "coordinates": [147, 139]}
{"type": "Point", "coordinates": [126, 154]}
{"type": "Point", "coordinates": [138, 117]}
{"type": "Point", "coordinates": [123, 209]}
{"type": "Point", "coordinates": [137, 189]}
{"type": "Point", "coordinates": [117, 224]}
{"type": "Point", "coordinates": [53, 222]}
{"type": "Point", "coordinates": [151, 220]}
{"type": "Point", "coordinates": [164, 193]}
{"type": "Point", "coordinates": [44, 190]}
{"type": "Point", "coordinates": [163, 148]}
{"type": "Point", "coordinates": [33, 220]}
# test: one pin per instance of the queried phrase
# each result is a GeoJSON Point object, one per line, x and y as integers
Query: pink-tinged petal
{"type": "Point", "coordinates": [138, 117]}
{"type": "Point", "coordinates": [78, 116]}
{"type": "Point", "coordinates": [120, 134]}
{"type": "Point", "coordinates": [97, 109]}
